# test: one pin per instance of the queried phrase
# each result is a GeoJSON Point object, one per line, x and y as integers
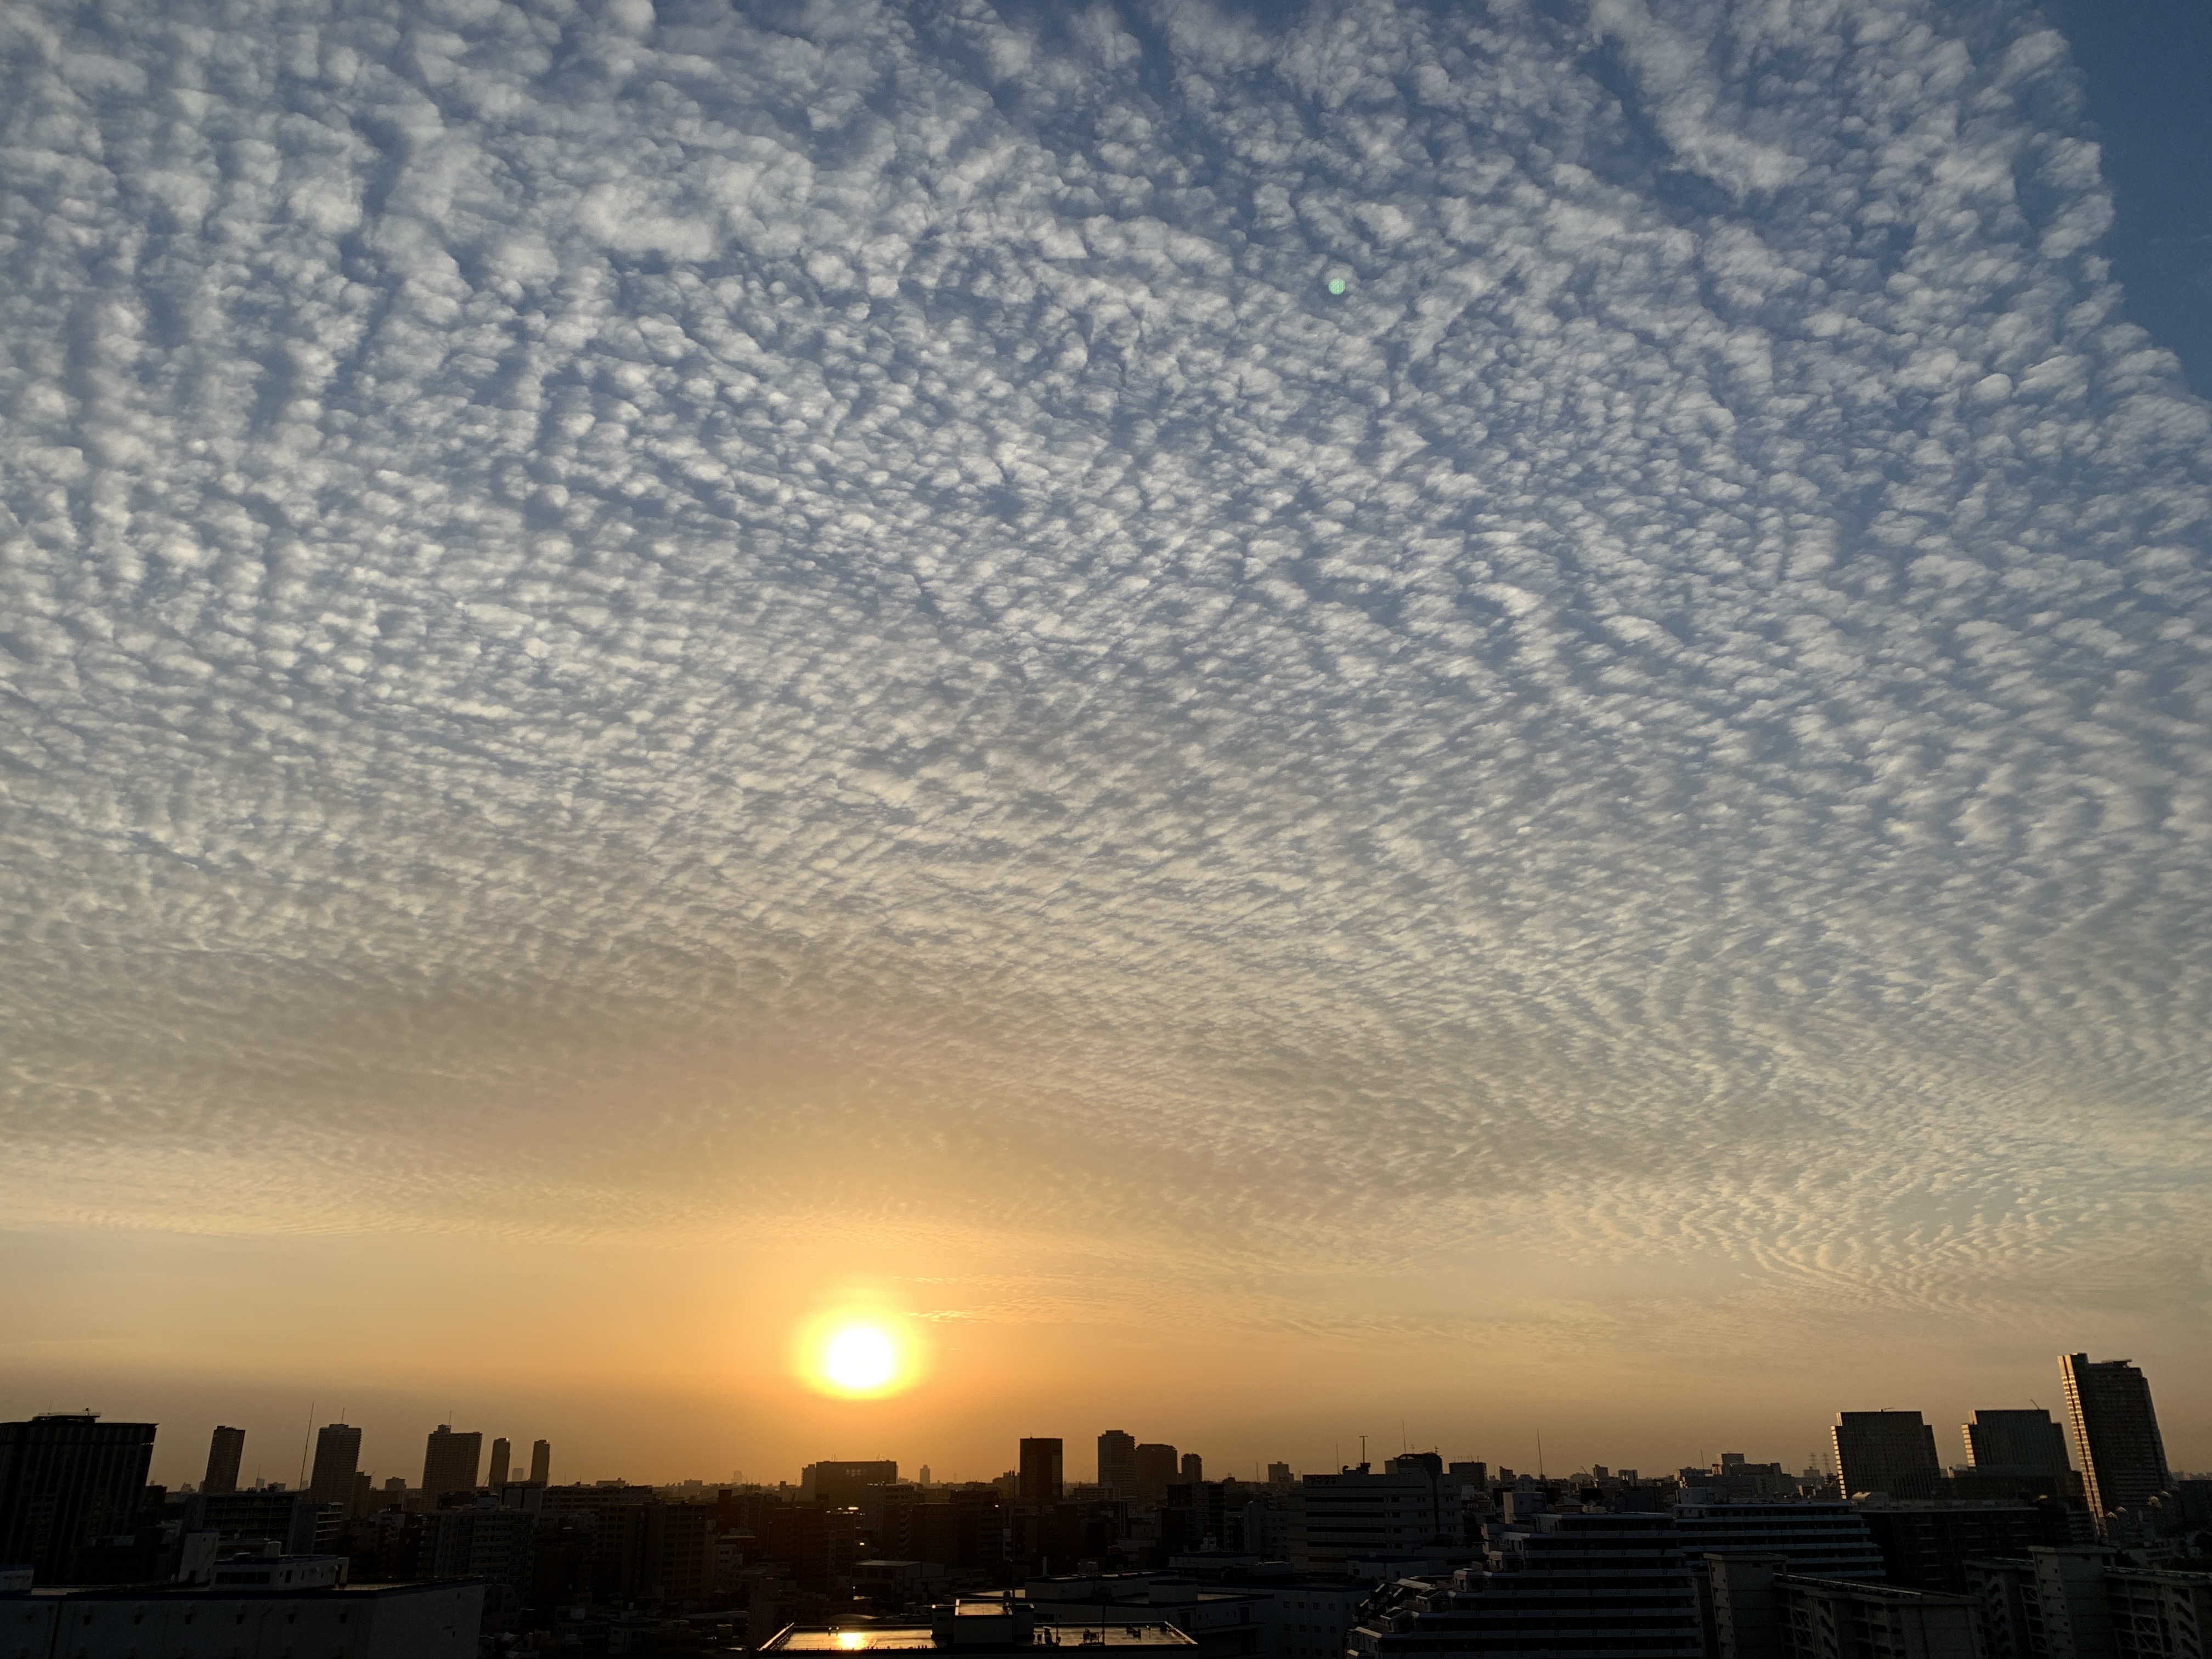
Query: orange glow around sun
{"type": "Point", "coordinates": [857, 1353]}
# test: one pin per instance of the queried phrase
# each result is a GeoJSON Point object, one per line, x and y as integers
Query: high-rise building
{"type": "Point", "coordinates": [225, 1449]}
{"type": "Point", "coordinates": [1193, 1468]}
{"type": "Point", "coordinates": [541, 1461]}
{"type": "Point", "coordinates": [501, 1453]}
{"type": "Point", "coordinates": [2015, 1440]}
{"type": "Point", "coordinates": [1892, 1452]}
{"type": "Point", "coordinates": [450, 1463]}
{"type": "Point", "coordinates": [2115, 1433]}
{"type": "Point", "coordinates": [337, 1456]}
{"type": "Point", "coordinates": [1117, 1462]}
{"type": "Point", "coordinates": [67, 1479]}
{"type": "Point", "coordinates": [1156, 1471]}
{"type": "Point", "coordinates": [1039, 1480]}
{"type": "Point", "coordinates": [1279, 1475]}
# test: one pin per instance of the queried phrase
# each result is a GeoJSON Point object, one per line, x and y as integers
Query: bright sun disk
{"type": "Point", "coordinates": [859, 1358]}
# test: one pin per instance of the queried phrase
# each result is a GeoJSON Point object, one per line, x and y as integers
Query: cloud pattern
{"type": "Point", "coordinates": [650, 593]}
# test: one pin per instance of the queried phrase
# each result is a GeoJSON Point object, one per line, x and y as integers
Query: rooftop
{"type": "Point", "coordinates": [973, 1624]}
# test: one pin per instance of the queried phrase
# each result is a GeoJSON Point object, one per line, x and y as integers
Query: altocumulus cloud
{"type": "Point", "coordinates": [623, 595]}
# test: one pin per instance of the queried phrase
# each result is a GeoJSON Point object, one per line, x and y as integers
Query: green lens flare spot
{"type": "Point", "coordinates": [1337, 285]}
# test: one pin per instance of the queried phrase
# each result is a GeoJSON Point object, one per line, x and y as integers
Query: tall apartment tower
{"type": "Point", "coordinates": [225, 1449]}
{"type": "Point", "coordinates": [1156, 1471]}
{"type": "Point", "coordinates": [502, 1455]}
{"type": "Point", "coordinates": [450, 1463]}
{"type": "Point", "coordinates": [541, 1462]}
{"type": "Point", "coordinates": [2009, 1440]}
{"type": "Point", "coordinates": [337, 1459]}
{"type": "Point", "coordinates": [67, 1479]}
{"type": "Point", "coordinates": [2115, 1431]}
{"type": "Point", "coordinates": [1892, 1452]}
{"type": "Point", "coordinates": [1193, 1468]}
{"type": "Point", "coordinates": [1037, 1480]}
{"type": "Point", "coordinates": [1117, 1462]}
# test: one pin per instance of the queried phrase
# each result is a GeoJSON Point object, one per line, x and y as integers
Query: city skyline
{"type": "Point", "coordinates": [1946, 1448]}
{"type": "Point", "coordinates": [761, 731]}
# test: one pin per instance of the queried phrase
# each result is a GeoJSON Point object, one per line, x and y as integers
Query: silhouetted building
{"type": "Point", "coordinates": [502, 1455]}
{"type": "Point", "coordinates": [1568, 1586]}
{"type": "Point", "coordinates": [2115, 1433]}
{"type": "Point", "coordinates": [1755, 1609]}
{"type": "Point", "coordinates": [494, 1545]}
{"type": "Point", "coordinates": [840, 1486]}
{"type": "Point", "coordinates": [1156, 1470]}
{"type": "Point", "coordinates": [450, 1463]}
{"type": "Point", "coordinates": [1927, 1545]}
{"type": "Point", "coordinates": [337, 1458]}
{"type": "Point", "coordinates": [362, 1621]}
{"type": "Point", "coordinates": [67, 1479]}
{"type": "Point", "coordinates": [2078, 1603]}
{"type": "Point", "coordinates": [1816, 1540]}
{"type": "Point", "coordinates": [1892, 1452]}
{"type": "Point", "coordinates": [1193, 1468]}
{"type": "Point", "coordinates": [292, 1522]}
{"type": "Point", "coordinates": [541, 1462]}
{"type": "Point", "coordinates": [226, 1448]}
{"type": "Point", "coordinates": [1117, 1462]}
{"type": "Point", "coordinates": [1039, 1471]}
{"type": "Point", "coordinates": [818, 1545]}
{"type": "Point", "coordinates": [1335, 1518]}
{"type": "Point", "coordinates": [2015, 1440]}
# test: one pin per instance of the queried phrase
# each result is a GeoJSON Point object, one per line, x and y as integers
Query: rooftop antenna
{"type": "Point", "coordinates": [1540, 1454]}
{"type": "Point", "coordinates": [306, 1434]}
{"type": "Point", "coordinates": [1362, 1451]}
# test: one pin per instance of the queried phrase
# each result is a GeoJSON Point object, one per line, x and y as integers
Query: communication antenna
{"type": "Point", "coordinates": [306, 1434]}
{"type": "Point", "coordinates": [1363, 1449]}
{"type": "Point", "coordinates": [1540, 1454]}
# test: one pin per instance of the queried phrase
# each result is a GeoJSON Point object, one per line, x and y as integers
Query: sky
{"type": "Point", "coordinates": [1440, 722]}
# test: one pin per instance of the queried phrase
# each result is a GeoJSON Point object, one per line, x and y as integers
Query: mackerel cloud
{"type": "Point", "coordinates": [623, 599]}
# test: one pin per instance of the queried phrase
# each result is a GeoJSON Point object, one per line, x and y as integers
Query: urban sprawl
{"type": "Point", "coordinates": [2053, 1539]}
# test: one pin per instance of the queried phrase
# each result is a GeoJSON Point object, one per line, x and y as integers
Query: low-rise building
{"type": "Point", "coordinates": [1754, 1608]}
{"type": "Point", "coordinates": [1357, 1512]}
{"type": "Point", "coordinates": [2079, 1602]}
{"type": "Point", "coordinates": [356, 1621]}
{"type": "Point", "coordinates": [1823, 1539]}
{"type": "Point", "coordinates": [1567, 1586]}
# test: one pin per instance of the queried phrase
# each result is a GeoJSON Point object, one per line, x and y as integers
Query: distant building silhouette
{"type": "Point", "coordinates": [2010, 1440]}
{"type": "Point", "coordinates": [501, 1454]}
{"type": "Point", "coordinates": [67, 1479]}
{"type": "Point", "coordinates": [1117, 1462]}
{"type": "Point", "coordinates": [841, 1485]}
{"type": "Point", "coordinates": [541, 1462]}
{"type": "Point", "coordinates": [338, 1457]}
{"type": "Point", "coordinates": [225, 1449]}
{"type": "Point", "coordinates": [2115, 1433]}
{"type": "Point", "coordinates": [450, 1463]}
{"type": "Point", "coordinates": [1039, 1474]}
{"type": "Point", "coordinates": [1892, 1452]}
{"type": "Point", "coordinates": [1194, 1467]}
{"type": "Point", "coordinates": [1156, 1471]}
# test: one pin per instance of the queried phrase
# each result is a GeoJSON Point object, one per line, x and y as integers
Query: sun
{"type": "Point", "coordinates": [858, 1354]}
{"type": "Point", "coordinates": [859, 1359]}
